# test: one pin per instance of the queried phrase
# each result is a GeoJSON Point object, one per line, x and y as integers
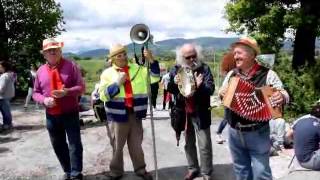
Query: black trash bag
{"type": "Point", "coordinates": [99, 110]}
{"type": "Point", "coordinates": [178, 117]}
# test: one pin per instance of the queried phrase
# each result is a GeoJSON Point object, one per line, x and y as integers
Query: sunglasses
{"type": "Point", "coordinates": [191, 57]}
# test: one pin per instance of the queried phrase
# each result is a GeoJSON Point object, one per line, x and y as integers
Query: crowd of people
{"type": "Point", "coordinates": [121, 100]}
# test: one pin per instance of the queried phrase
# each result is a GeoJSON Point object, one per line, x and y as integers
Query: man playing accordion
{"type": "Point", "coordinates": [249, 139]}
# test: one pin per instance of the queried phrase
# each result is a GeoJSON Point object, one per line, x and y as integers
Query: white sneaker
{"type": "Point", "coordinates": [220, 139]}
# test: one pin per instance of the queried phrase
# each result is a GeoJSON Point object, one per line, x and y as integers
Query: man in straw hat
{"type": "Point", "coordinates": [193, 110]}
{"type": "Point", "coordinates": [123, 88]}
{"type": "Point", "coordinates": [249, 141]}
{"type": "Point", "coordinates": [58, 84]}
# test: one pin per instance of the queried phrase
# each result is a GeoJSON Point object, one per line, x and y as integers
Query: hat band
{"type": "Point", "coordinates": [52, 44]}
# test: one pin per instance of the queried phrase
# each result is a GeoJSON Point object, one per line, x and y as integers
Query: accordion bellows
{"type": "Point", "coordinates": [249, 102]}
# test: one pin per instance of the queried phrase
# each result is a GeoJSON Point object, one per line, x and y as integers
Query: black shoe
{"type": "Point", "coordinates": [146, 176]}
{"type": "Point", "coordinates": [78, 177]}
{"type": "Point", "coordinates": [5, 129]}
{"type": "Point", "coordinates": [109, 177]}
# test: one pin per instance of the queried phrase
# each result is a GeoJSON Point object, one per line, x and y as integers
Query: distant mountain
{"type": "Point", "coordinates": [170, 45]}
{"type": "Point", "coordinates": [93, 53]}
{"type": "Point", "coordinates": [165, 46]}
{"type": "Point", "coordinates": [205, 42]}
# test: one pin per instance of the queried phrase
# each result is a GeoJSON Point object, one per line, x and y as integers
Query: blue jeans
{"type": "Point", "coordinates": [250, 153]}
{"type": "Point", "coordinates": [69, 156]}
{"type": "Point", "coordinates": [6, 111]}
{"type": "Point", "coordinates": [222, 125]}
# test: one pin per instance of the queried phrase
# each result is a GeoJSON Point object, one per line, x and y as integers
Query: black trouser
{"type": "Point", "coordinates": [154, 93]}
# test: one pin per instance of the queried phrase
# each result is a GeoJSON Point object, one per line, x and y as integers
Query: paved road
{"type": "Point", "coordinates": [27, 153]}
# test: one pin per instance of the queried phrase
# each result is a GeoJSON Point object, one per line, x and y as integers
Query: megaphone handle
{"type": "Point", "coordinates": [143, 59]}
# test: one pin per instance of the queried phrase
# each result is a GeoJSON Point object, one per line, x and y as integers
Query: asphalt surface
{"type": "Point", "coordinates": [26, 153]}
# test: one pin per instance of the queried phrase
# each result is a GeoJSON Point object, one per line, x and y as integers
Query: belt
{"type": "Point", "coordinates": [249, 127]}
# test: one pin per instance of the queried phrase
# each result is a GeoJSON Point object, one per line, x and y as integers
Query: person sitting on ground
{"type": "Point", "coordinates": [277, 133]}
{"type": "Point", "coordinates": [306, 139]}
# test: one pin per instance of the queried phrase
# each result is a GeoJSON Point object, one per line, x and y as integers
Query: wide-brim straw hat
{"type": "Point", "coordinates": [116, 49]}
{"type": "Point", "coordinates": [248, 41]}
{"type": "Point", "coordinates": [51, 43]}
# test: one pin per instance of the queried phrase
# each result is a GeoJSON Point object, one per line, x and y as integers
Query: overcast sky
{"type": "Point", "coordinates": [92, 24]}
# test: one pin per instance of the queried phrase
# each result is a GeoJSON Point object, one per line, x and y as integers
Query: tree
{"type": "Point", "coordinates": [269, 20]}
{"type": "Point", "coordinates": [23, 26]}
{"type": "Point", "coordinates": [3, 35]}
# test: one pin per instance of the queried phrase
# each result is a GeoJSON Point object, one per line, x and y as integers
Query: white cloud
{"type": "Point", "coordinates": [99, 23]}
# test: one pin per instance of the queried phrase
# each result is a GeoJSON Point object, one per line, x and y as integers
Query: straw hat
{"type": "Point", "coordinates": [248, 41]}
{"type": "Point", "coordinates": [116, 49]}
{"type": "Point", "coordinates": [51, 43]}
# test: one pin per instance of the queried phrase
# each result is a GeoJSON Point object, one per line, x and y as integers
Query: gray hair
{"type": "Point", "coordinates": [180, 58]}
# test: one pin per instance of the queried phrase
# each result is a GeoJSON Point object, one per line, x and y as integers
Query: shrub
{"type": "Point", "coordinates": [303, 86]}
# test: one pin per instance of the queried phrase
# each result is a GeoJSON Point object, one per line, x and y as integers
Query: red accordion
{"type": "Point", "coordinates": [252, 103]}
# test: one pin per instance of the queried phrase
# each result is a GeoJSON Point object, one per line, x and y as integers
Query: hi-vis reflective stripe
{"type": "Point", "coordinates": [140, 96]}
{"type": "Point", "coordinates": [140, 108]}
{"type": "Point", "coordinates": [115, 111]}
{"type": "Point", "coordinates": [117, 99]}
{"type": "Point", "coordinates": [154, 74]}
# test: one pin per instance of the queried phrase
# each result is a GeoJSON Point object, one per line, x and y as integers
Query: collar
{"type": "Point", "coordinates": [119, 68]}
{"type": "Point", "coordinates": [58, 65]}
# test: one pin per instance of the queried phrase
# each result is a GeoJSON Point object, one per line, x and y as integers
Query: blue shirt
{"type": "Point", "coordinates": [306, 137]}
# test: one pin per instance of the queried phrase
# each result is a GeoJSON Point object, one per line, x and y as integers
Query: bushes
{"type": "Point", "coordinates": [303, 86]}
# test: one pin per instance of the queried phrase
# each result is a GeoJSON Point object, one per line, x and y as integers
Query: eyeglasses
{"type": "Point", "coordinates": [124, 54]}
{"type": "Point", "coordinates": [191, 57]}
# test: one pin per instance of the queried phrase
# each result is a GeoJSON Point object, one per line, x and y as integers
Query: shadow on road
{"type": "Point", "coordinates": [3, 149]}
{"type": "Point", "coordinates": [28, 127]}
{"type": "Point", "coordinates": [221, 172]}
{"type": "Point", "coordinates": [7, 139]}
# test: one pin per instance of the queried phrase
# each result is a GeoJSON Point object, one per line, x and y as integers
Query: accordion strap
{"type": "Point", "coordinates": [253, 70]}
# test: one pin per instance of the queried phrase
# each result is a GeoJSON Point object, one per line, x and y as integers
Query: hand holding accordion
{"type": "Point", "coordinates": [254, 104]}
{"type": "Point", "coordinates": [186, 81]}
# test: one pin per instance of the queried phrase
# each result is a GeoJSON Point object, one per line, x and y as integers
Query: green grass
{"type": "Point", "coordinates": [217, 112]}
{"type": "Point", "coordinates": [93, 68]}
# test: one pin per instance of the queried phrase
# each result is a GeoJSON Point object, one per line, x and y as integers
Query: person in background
{"type": "Point", "coordinates": [154, 88]}
{"type": "Point", "coordinates": [31, 78]}
{"type": "Point", "coordinates": [228, 63]}
{"type": "Point", "coordinates": [196, 110]}
{"type": "Point", "coordinates": [166, 94]}
{"type": "Point", "coordinates": [58, 85]}
{"type": "Point", "coordinates": [7, 92]}
{"type": "Point", "coordinates": [124, 89]}
{"type": "Point", "coordinates": [306, 139]}
{"type": "Point", "coordinates": [277, 135]}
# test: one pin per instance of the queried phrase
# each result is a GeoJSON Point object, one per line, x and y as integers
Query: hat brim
{"type": "Point", "coordinates": [51, 47]}
{"type": "Point", "coordinates": [256, 49]}
{"type": "Point", "coordinates": [117, 52]}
